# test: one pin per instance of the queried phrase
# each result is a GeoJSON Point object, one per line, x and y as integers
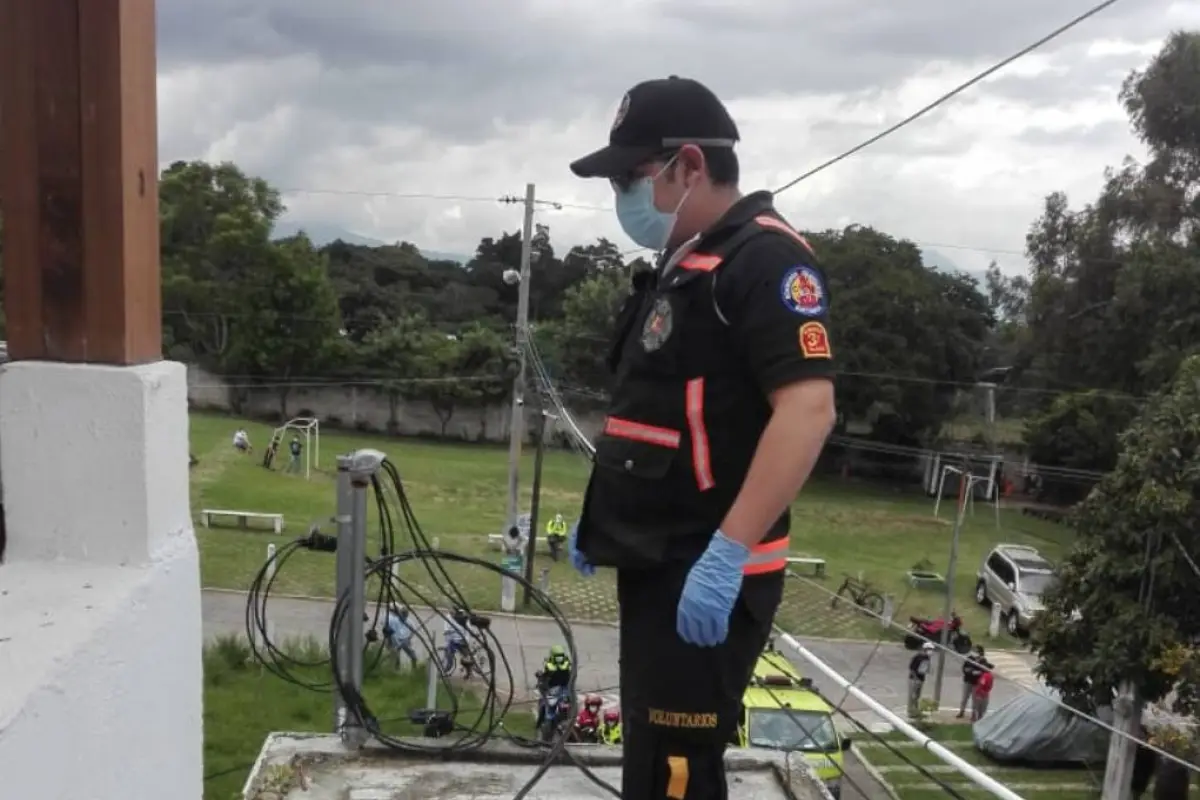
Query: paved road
{"type": "Point", "coordinates": [880, 671]}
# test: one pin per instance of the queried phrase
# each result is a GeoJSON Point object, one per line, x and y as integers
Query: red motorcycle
{"type": "Point", "coordinates": [921, 630]}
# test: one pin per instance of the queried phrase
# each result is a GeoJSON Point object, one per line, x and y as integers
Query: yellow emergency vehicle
{"type": "Point", "coordinates": [781, 711]}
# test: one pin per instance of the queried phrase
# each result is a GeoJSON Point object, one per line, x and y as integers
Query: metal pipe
{"type": "Point", "coordinates": [354, 482]}
{"type": "Point", "coordinates": [973, 773]}
{"type": "Point", "coordinates": [345, 568]}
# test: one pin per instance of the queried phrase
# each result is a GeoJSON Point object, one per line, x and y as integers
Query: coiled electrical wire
{"type": "Point", "coordinates": [394, 591]}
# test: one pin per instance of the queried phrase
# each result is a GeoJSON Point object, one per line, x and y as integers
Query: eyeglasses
{"type": "Point", "coordinates": [623, 183]}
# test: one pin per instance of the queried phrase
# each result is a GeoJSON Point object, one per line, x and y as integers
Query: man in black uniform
{"type": "Point", "coordinates": [722, 398]}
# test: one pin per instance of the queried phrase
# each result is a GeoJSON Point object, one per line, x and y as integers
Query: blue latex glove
{"type": "Point", "coordinates": [711, 589]}
{"type": "Point", "coordinates": [578, 560]}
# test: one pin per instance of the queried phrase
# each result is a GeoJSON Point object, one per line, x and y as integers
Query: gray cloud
{"type": "Point", "coordinates": [1091, 135]}
{"type": "Point", "coordinates": [352, 75]}
{"type": "Point", "coordinates": [439, 64]}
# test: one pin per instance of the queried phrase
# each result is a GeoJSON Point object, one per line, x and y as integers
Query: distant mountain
{"type": "Point", "coordinates": [943, 263]}
{"type": "Point", "coordinates": [322, 233]}
{"type": "Point", "coordinates": [438, 255]}
{"type": "Point", "coordinates": [939, 261]}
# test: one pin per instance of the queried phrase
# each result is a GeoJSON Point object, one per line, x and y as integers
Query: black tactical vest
{"type": "Point", "coordinates": [684, 420]}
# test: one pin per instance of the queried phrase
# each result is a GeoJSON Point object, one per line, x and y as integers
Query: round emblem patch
{"type": "Point", "coordinates": [802, 291]}
{"type": "Point", "coordinates": [657, 328]}
{"type": "Point", "coordinates": [622, 110]}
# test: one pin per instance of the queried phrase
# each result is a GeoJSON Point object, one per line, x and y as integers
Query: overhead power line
{"type": "Point", "coordinates": [949, 95]}
{"type": "Point", "coordinates": [507, 199]}
{"type": "Point", "coordinates": [456, 198]}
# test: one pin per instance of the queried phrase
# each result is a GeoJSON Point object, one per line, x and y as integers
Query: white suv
{"type": "Point", "coordinates": [1014, 577]}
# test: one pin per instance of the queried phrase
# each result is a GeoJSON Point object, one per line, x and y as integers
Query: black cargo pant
{"type": "Point", "coordinates": [680, 704]}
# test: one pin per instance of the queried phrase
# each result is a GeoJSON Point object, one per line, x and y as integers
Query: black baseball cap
{"type": "Point", "coordinates": [656, 117]}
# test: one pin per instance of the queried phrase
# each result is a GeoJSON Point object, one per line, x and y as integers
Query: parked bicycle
{"type": "Point", "coordinates": [861, 593]}
{"type": "Point", "coordinates": [470, 660]}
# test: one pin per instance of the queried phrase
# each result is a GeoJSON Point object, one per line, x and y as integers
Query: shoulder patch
{"type": "Point", "coordinates": [814, 341]}
{"type": "Point", "coordinates": [803, 292]}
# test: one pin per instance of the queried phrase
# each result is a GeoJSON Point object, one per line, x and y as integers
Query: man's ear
{"type": "Point", "coordinates": [691, 162]}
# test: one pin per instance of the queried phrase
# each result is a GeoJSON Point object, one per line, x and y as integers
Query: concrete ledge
{"type": "Point", "coordinates": [100, 679]}
{"type": "Point", "coordinates": [317, 767]}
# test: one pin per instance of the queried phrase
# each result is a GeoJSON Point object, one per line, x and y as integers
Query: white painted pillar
{"type": "Point", "coordinates": [100, 611]}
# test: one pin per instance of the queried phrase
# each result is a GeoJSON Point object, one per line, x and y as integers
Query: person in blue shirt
{"type": "Point", "coordinates": [398, 634]}
{"type": "Point", "coordinates": [456, 644]}
{"type": "Point", "coordinates": [295, 448]}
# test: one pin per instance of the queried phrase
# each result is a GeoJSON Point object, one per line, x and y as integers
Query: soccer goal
{"type": "Point", "coordinates": [307, 428]}
{"type": "Point", "coordinates": [991, 493]}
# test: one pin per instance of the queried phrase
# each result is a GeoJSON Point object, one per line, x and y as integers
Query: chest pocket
{"type": "Point", "coordinates": [656, 345]}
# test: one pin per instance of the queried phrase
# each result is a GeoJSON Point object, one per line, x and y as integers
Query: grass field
{"type": "Point", "coordinates": [1032, 784]}
{"type": "Point", "coordinates": [243, 703]}
{"type": "Point", "coordinates": [458, 493]}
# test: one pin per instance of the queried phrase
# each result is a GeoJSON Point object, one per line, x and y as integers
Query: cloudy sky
{"type": "Point", "coordinates": [350, 106]}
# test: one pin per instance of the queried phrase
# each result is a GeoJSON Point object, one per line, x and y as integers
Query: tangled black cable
{"type": "Point", "coordinates": [443, 599]}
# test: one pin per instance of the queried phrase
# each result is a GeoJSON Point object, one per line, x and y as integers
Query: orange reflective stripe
{"type": "Point", "coordinates": [767, 557]}
{"type": "Point", "coordinates": [677, 777]}
{"type": "Point", "coordinates": [783, 227]}
{"type": "Point", "coordinates": [701, 457]}
{"type": "Point", "coordinates": [701, 262]}
{"type": "Point", "coordinates": [640, 432]}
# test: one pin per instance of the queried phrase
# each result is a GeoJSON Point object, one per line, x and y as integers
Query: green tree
{"type": "Point", "coordinates": [580, 339]}
{"type": "Point", "coordinates": [403, 354]}
{"type": "Point", "coordinates": [1077, 431]}
{"type": "Point", "coordinates": [1125, 602]}
{"type": "Point", "coordinates": [215, 235]}
{"type": "Point", "coordinates": [1140, 521]}
{"type": "Point", "coordinates": [1114, 297]}
{"type": "Point", "coordinates": [473, 368]}
{"type": "Point", "coordinates": [287, 319]}
{"type": "Point", "coordinates": [376, 285]}
{"type": "Point", "coordinates": [905, 336]}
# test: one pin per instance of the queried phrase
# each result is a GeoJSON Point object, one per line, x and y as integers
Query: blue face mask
{"type": "Point", "coordinates": [641, 221]}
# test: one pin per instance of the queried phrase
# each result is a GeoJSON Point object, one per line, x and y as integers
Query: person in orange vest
{"type": "Point", "coordinates": [721, 400]}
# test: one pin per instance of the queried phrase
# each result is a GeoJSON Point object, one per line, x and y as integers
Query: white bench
{"type": "Point", "coordinates": [206, 517]}
{"type": "Point", "coordinates": [817, 564]}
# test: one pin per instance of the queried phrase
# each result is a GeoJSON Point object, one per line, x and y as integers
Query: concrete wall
{"type": "Point", "coordinates": [367, 408]}
{"type": "Point", "coordinates": [100, 632]}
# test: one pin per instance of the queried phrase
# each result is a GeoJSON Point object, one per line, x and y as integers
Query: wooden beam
{"type": "Point", "coordinates": [78, 180]}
